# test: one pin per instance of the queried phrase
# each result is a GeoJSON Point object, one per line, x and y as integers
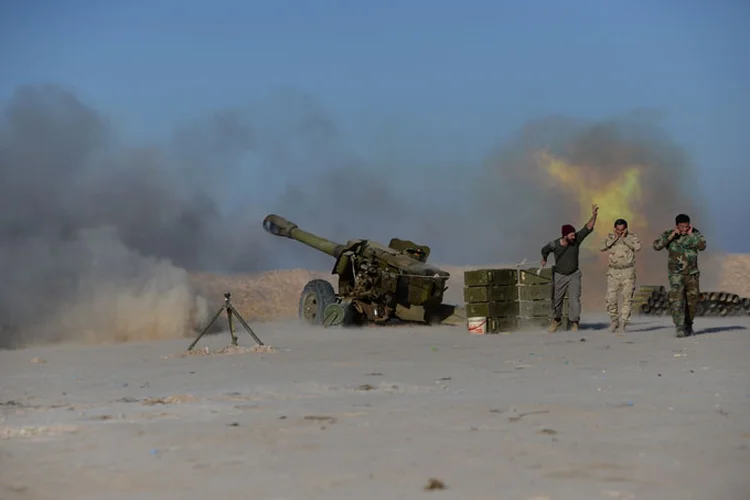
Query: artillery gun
{"type": "Point", "coordinates": [376, 284]}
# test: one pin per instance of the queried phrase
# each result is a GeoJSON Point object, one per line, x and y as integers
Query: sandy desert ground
{"type": "Point", "coordinates": [385, 413]}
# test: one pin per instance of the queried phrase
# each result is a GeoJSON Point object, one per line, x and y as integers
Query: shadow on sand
{"type": "Point", "coordinates": [631, 327]}
{"type": "Point", "coordinates": [719, 329]}
{"type": "Point", "coordinates": [635, 328]}
{"type": "Point", "coordinates": [712, 329]}
{"type": "Point", "coordinates": [593, 326]}
{"type": "Point", "coordinates": [648, 328]}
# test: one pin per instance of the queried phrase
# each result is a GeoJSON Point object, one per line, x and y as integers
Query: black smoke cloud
{"type": "Point", "coordinates": [97, 236]}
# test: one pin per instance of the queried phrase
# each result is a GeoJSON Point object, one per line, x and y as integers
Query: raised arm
{"type": "Point", "coordinates": [633, 242]}
{"type": "Point", "coordinates": [663, 240]}
{"type": "Point", "coordinates": [697, 240]}
{"type": "Point", "coordinates": [592, 221]}
{"type": "Point", "coordinates": [608, 242]}
{"type": "Point", "coordinates": [589, 227]}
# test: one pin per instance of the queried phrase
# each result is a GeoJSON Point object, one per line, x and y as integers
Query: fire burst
{"type": "Point", "coordinates": [618, 194]}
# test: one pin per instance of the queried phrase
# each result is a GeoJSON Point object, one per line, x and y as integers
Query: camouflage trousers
{"type": "Point", "coordinates": [684, 291]}
{"type": "Point", "coordinates": [620, 282]}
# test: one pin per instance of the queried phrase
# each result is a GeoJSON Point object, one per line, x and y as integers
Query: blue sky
{"type": "Point", "coordinates": [471, 71]}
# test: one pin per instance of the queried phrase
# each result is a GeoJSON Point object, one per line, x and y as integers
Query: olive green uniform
{"type": "Point", "coordinates": [684, 276]}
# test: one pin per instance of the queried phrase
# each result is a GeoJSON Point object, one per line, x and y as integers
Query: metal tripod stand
{"type": "Point", "coordinates": [230, 310]}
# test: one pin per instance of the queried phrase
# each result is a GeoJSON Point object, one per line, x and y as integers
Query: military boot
{"type": "Point", "coordinates": [613, 326]}
{"type": "Point", "coordinates": [574, 326]}
{"type": "Point", "coordinates": [554, 326]}
{"type": "Point", "coordinates": [680, 331]}
{"type": "Point", "coordinates": [623, 327]}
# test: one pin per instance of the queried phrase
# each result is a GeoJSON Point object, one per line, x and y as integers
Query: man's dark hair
{"type": "Point", "coordinates": [621, 222]}
{"type": "Point", "coordinates": [682, 218]}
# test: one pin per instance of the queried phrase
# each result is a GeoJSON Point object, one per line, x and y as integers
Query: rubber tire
{"type": "Point", "coordinates": [324, 295]}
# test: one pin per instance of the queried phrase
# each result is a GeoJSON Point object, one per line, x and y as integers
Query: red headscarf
{"type": "Point", "coordinates": [567, 229]}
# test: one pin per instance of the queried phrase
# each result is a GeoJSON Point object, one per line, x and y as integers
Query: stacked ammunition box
{"type": "Point", "coordinates": [654, 301]}
{"type": "Point", "coordinates": [510, 299]}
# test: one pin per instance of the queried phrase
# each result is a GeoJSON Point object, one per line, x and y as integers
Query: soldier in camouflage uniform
{"type": "Point", "coordinates": [683, 243]}
{"type": "Point", "coordinates": [622, 246]}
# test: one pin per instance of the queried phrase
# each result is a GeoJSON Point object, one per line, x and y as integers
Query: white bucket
{"type": "Point", "coordinates": [477, 326]}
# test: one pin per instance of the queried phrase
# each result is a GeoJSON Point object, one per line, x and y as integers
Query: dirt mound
{"type": "Point", "coordinates": [258, 297]}
{"type": "Point", "coordinates": [735, 274]}
{"type": "Point", "coordinates": [275, 295]}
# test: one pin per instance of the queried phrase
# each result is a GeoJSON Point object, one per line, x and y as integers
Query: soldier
{"type": "Point", "coordinates": [683, 243]}
{"type": "Point", "coordinates": [622, 246]}
{"type": "Point", "coordinates": [566, 275]}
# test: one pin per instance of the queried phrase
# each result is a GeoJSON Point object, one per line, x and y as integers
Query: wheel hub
{"type": "Point", "coordinates": [310, 307]}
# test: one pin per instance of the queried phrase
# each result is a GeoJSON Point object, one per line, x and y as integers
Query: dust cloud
{"type": "Point", "coordinates": [98, 237]}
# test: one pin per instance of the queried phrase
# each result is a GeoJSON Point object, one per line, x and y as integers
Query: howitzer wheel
{"type": "Point", "coordinates": [316, 296]}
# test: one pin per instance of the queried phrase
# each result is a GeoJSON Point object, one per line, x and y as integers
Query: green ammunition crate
{"type": "Point", "coordinates": [511, 299]}
{"type": "Point", "coordinates": [486, 277]}
{"type": "Point", "coordinates": [523, 308]}
{"type": "Point", "coordinates": [495, 293]}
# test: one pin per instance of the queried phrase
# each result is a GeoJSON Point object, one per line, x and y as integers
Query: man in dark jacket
{"type": "Point", "coordinates": [566, 275]}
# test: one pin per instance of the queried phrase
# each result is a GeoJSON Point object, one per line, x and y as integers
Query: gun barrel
{"type": "Point", "coordinates": [279, 226]}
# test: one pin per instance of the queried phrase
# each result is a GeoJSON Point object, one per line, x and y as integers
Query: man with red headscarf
{"type": "Point", "coordinates": [566, 275]}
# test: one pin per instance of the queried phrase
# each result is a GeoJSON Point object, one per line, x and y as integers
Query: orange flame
{"type": "Point", "coordinates": [618, 195]}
